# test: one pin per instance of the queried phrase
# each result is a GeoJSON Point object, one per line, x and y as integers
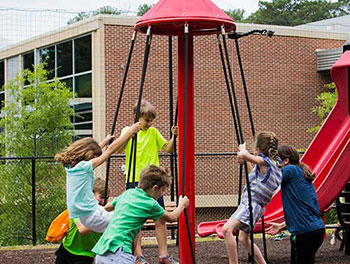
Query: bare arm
{"type": "Point", "coordinates": [83, 230]}
{"type": "Point", "coordinates": [174, 215]}
{"type": "Point", "coordinates": [169, 146]}
{"type": "Point", "coordinates": [104, 142]}
{"type": "Point", "coordinates": [116, 145]}
{"type": "Point", "coordinates": [122, 147]}
{"type": "Point", "coordinates": [250, 167]}
{"type": "Point", "coordinates": [243, 154]}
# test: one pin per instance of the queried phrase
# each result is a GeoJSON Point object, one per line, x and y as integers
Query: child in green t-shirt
{"type": "Point", "coordinates": [149, 142]}
{"type": "Point", "coordinates": [131, 210]}
{"type": "Point", "coordinates": [77, 244]}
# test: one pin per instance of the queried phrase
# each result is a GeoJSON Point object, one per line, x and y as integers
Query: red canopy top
{"type": "Point", "coordinates": [167, 17]}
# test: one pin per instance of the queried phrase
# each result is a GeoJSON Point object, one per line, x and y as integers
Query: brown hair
{"type": "Point", "coordinates": [83, 149]}
{"type": "Point", "coordinates": [267, 143]}
{"type": "Point", "coordinates": [153, 175]}
{"type": "Point", "coordinates": [100, 187]}
{"type": "Point", "coordinates": [146, 109]}
{"type": "Point", "coordinates": [290, 152]}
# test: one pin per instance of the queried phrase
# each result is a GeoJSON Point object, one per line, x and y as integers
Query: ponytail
{"type": "Point", "coordinates": [309, 176]}
{"type": "Point", "coordinates": [267, 142]}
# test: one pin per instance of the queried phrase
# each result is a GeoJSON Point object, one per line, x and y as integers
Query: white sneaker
{"type": "Point", "coordinates": [332, 242]}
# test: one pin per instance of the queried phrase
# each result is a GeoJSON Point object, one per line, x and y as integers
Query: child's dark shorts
{"type": "Point", "coordinates": [132, 185]}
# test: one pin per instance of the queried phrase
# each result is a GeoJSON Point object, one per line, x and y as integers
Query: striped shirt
{"type": "Point", "coordinates": [263, 186]}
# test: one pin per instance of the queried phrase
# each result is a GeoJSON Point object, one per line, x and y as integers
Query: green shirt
{"type": "Point", "coordinates": [131, 210]}
{"type": "Point", "coordinates": [78, 244]}
{"type": "Point", "coordinates": [149, 142]}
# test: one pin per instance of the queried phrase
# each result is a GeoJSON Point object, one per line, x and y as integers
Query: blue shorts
{"type": "Point", "coordinates": [132, 185]}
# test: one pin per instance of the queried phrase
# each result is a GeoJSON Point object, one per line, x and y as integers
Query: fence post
{"type": "Point", "coordinates": [33, 201]}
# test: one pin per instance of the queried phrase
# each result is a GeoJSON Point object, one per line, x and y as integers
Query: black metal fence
{"type": "Point", "coordinates": [33, 192]}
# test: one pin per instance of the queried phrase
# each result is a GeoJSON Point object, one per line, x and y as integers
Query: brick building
{"type": "Point", "coordinates": [281, 75]}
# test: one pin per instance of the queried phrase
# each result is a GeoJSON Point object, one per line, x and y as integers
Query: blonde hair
{"type": "Point", "coordinates": [100, 187]}
{"type": "Point", "coordinates": [153, 175]}
{"type": "Point", "coordinates": [83, 149]}
{"type": "Point", "coordinates": [291, 153]}
{"type": "Point", "coordinates": [146, 109]}
{"type": "Point", "coordinates": [267, 143]}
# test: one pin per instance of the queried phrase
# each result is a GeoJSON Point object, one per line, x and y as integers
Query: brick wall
{"type": "Point", "coordinates": [282, 82]}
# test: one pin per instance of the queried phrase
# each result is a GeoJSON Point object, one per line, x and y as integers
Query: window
{"type": "Point", "coordinates": [70, 62]}
{"type": "Point", "coordinates": [83, 86]}
{"type": "Point", "coordinates": [82, 53]}
{"type": "Point", "coordinates": [28, 63]}
{"type": "Point", "coordinates": [64, 59]}
{"type": "Point", "coordinates": [68, 82]}
{"type": "Point", "coordinates": [83, 121]}
{"type": "Point", "coordinates": [47, 56]}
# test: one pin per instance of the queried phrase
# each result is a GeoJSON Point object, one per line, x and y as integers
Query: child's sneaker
{"type": "Point", "coordinates": [332, 241]}
{"type": "Point", "coordinates": [283, 235]}
{"type": "Point", "coordinates": [278, 237]}
{"type": "Point", "coordinates": [141, 260]}
{"type": "Point", "coordinates": [167, 260]}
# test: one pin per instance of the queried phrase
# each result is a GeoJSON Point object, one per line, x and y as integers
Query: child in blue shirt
{"type": "Point", "coordinates": [300, 205]}
{"type": "Point", "coordinates": [80, 159]}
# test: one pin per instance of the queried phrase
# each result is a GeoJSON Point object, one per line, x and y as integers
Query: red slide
{"type": "Point", "coordinates": [328, 155]}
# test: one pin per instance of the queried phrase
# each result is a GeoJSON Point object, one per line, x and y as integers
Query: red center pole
{"type": "Point", "coordinates": [184, 244]}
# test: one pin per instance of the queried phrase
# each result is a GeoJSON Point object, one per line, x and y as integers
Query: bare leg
{"type": "Point", "coordinates": [246, 242]}
{"type": "Point", "coordinates": [137, 245]}
{"type": "Point", "coordinates": [161, 236]}
{"type": "Point", "coordinates": [230, 241]}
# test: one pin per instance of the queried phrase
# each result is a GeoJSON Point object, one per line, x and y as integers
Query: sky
{"type": "Point", "coordinates": [24, 19]}
{"type": "Point", "coordinates": [249, 5]}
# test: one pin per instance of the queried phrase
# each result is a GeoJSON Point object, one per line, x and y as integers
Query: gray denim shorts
{"type": "Point", "coordinates": [119, 257]}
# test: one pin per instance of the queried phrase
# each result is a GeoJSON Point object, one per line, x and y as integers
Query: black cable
{"type": "Point", "coordinates": [228, 90]}
{"type": "Point", "coordinates": [129, 167]}
{"type": "Point", "coordinates": [234, 121]}
{"type": "Point", "coordinates": [184, 142]}
{"type": "Point", "coordinates": [176, 170]}
{"type": "Point", "coordinates": [171, 123]}
{"type": "Point", "coordinates": [242, 140]}
{"type": "Point", "coordinates": [137, 116]}
{"type": "Point", "coordinates": [252, 128]}
{"type": "Point", "coordinates": [171, 116]}
{"type": "Point", "coordinates": [245, 88]}
{"type": "Point", "coordinates": [118, 108]}
{"type": "Point", "coordinates": [175, 154]}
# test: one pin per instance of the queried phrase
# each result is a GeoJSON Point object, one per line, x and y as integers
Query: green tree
{"type": "Point", "coordinates": [326, 102]}
{"type": "Point", "coordinates": [80, 16]}
{"type": "Point", "coordinates": [142, 9]}
{"type": "Point", "coordinates": [296, 12]}
{"type": "Point", "coordinates": [37, 117]}
{"type": "Point", "coordinates": [36, 122]}
{"type": "Point", "coordinates": [108, 10]}
{"type": "Point", "coordinates": [236, 14]}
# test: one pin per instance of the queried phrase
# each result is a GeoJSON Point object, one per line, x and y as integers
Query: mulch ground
{"type": "Point", "coordinates": [210, 252]}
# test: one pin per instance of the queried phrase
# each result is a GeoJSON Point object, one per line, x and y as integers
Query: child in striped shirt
{"type": "Point", "coordinates": [264, 179]}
